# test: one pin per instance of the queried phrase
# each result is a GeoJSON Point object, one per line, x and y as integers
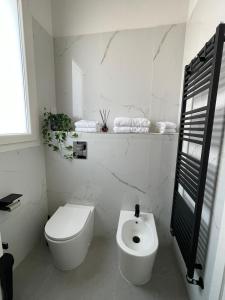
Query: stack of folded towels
{"type": "Point", "coordinates": [131, 125]}
{"type": "Point", "coordinates": [166, 127]}
{"type": "Point", "coordinates": [87, 126]}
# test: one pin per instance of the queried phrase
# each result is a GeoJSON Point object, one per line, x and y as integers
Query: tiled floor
{"type": "Point", "coordinates": [97, 278]}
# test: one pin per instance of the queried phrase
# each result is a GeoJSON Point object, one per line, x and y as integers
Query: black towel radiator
{"type": "Point", "coordinates": [201, 75]}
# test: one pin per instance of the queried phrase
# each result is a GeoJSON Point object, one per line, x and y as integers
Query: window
{"type": "Point", "coordinates": [15, 108]}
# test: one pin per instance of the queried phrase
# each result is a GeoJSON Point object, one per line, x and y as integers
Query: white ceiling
{"type": "Point", "coordinates": [74, 17]}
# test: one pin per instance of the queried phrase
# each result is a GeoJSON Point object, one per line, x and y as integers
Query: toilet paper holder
{"type": "Point", "coordinates": [10, 202]}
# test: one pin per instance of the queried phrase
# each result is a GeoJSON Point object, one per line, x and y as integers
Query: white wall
{"type": "Point", "coordinates": [121, 170]}
{"type": "Point", "coordinates": [131, 77]}
{"type": "Point", "coordinates": [125, 71]}
{"type": "Point", "coordinates": [42, 11]}
{"type": "Point", "coordinates": [204, 17]}
{"type": "Point", "coordinates": [45, 68]}
{"type": "Point", "coordinates": [191, 6]}
{"type": "Point", "coordinates": [217, 287]}
{"type": "Point", "coordinates": [23, 171]}
{"type": "Point", "coordinates": [74, 17]}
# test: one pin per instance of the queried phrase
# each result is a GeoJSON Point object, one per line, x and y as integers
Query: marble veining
{"type": "Point", "coordinates": [162, 41]}
{"type": "Point", "coordinates": [108, 46]}
{"type": "Point", "coordinates": [144, 111]}
{"type": "Point", "coordinates": [134, 169]}
{"type": "Point", "coordinates": [125, 182]}
{"type": "Point", "coordinates": [106, 99]}
{"type": "Point", "coordinates": [126, 71]}
{"type": "Point", "coordinates": [127, 147]}
{"type": "Point", "coordinates": [69, 45]}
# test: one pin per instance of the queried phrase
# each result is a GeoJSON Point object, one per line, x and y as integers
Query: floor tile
{"type": "Point", "coordinates": [97, 278]}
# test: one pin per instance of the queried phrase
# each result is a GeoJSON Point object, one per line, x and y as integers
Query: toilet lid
{"type": "Point", "coordinates": [66, 222]}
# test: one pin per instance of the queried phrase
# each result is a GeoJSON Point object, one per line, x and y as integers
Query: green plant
{"type": "Point", "coordinates": [55, 130]}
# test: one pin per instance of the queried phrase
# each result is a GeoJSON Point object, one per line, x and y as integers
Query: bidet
{"type": "Point", "coordinates": [137, 246]}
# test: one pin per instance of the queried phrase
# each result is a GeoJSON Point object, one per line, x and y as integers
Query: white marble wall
{"type": "Point", "coordinates": [125, 71]}
{"type": "Point", "coordinates": [121, 170]}
{"type": "Point", "coordinates": [44, 66]}
{"type": "Point", "coordinates": [129, 73]}
{"type": "Point", "coordinates": [41, 10]}
{"type": "Point", "coordinates": [23, 172]}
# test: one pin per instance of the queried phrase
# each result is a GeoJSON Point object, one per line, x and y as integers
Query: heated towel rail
{"type": "Point", "coordinates": [201, 75]}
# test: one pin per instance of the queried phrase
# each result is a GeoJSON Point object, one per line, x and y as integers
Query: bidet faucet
{"type": "Point", "coordinates": [137, 211]}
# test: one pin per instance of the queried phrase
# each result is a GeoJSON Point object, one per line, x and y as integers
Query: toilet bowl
{"type": "Point", "coordinates": [69, 233]}
{"type": "Point", "coordinates": [137, 242]}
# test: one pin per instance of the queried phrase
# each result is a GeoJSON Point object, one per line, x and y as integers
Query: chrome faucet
{"type": "Point", "coordinates": [137, 211]}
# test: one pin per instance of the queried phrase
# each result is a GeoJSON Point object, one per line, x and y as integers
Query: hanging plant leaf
{"type": "Point", "coordinates": [69, 147]}
{"type": "Point", "coordinates": [55, 129]}
{"type": "Point", "coordinates": [74, 135]}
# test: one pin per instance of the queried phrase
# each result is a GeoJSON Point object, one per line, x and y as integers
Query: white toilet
{"type": "Point", "coordinates": [69, 233]}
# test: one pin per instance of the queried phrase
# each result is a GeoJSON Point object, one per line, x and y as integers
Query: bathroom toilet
{"type": "Point", "coordinates": [69, 233]}
{"type": "Point", "coordinates": [137, 242]}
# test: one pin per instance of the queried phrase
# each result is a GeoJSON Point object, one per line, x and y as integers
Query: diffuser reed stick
{"type": "Point", "coordinates": [104, 115]}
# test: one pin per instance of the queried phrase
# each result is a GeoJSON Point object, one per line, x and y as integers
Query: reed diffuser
{"type": "Point", "coordinates": [104, 115]}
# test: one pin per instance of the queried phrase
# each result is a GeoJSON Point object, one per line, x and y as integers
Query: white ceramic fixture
{"type": "Point", "coordinates": [137, 243]}
{"type": "Point", "coordinates": [69, 233]}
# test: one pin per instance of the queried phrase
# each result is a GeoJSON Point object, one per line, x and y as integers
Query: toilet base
{"type": "Point", "coordinates": [64, 257]}
{"type": "Point", "coordinates": [69, 254]}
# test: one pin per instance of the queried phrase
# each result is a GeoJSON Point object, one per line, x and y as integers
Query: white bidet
{"type": "Point", "coordinates": [138, 243]}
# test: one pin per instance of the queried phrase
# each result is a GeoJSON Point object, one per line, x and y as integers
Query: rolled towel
{"type": "Point", "coordinates": [166, 125]}
{"type": "Point", "coordinates": [86, 124]}
{"type": "Point", "coordinates": [131, 122]}
{"type": "Point", "coordinates": [167, 131]}
{"type": "Point", "coordinates": [130, 129]}
{"type": "Point", "coordinates": [88, 129]}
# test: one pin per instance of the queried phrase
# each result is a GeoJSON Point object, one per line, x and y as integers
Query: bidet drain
{"type": "Point", "coordinates": [136, 239]}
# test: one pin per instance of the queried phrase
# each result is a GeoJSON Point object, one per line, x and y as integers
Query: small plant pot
{"type": "Point", "coordinates": [53, 127]}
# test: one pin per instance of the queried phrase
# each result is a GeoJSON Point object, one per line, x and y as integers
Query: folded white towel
{"type": "Point", "coordinates": [86, 124]}
{"type": "Point", "coordinates": [88, 129]}
{"type": "Point", "coordinates": [165, 131]}
{"type": "Point", "coordinates": [131, 122]}
{"type": "Point", "coordinates": [130, 129]}
{"type": "Point", "coordinates": [166, 125]}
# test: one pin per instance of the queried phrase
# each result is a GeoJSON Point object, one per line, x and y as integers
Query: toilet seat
{"type": "Point", "coordinates": [67, 222]}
